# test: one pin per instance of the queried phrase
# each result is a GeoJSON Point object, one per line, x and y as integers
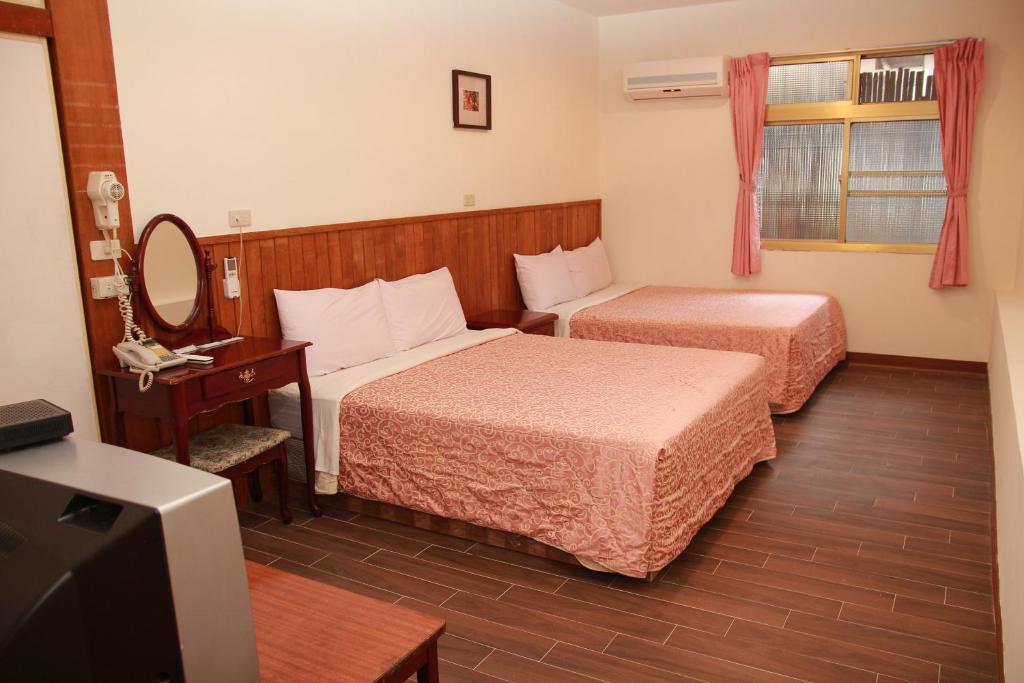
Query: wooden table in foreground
{"type": "Point", "coordinates": [310, 631]}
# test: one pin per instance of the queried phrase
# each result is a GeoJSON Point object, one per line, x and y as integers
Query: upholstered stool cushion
{"type": "Point", "coordinates": [227, 445]}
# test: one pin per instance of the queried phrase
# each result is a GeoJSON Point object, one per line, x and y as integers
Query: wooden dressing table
{"type": "Point", "coordinates": [240, 372]}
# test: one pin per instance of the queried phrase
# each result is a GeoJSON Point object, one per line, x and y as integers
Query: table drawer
{"type": "Point", "coordinates": [547, 328]}
{"type": "Point", "coordinates": [247, 376]}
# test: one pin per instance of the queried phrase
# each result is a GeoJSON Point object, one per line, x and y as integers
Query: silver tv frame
{"type": "Point", "coordinates": [201, 535]}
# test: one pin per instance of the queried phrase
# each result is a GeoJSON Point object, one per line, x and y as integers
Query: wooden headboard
{"type": "Point", "coordinates": [476, 246]}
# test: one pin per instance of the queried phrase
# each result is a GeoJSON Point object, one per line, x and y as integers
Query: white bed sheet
{"type": "Point", "coordinates": [328, 391]}
{"type": "Point", "coordinates": [565, 311]}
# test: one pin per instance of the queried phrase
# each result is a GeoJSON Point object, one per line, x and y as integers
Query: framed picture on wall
{"type": "Point", "coordinates": [471, 100]}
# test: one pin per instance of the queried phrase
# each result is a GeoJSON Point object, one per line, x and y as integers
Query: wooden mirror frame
{"type": "Point", "coordinates": [140, 267]}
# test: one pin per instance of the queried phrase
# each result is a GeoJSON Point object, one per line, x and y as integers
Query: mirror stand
{"type": "Point", "coordinates": [212, 332]}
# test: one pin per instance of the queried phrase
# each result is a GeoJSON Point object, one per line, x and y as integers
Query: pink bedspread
{"type": "Point", "coordinates": [802, 336]}
{"type": "Point", "coordinates": [616, 453]}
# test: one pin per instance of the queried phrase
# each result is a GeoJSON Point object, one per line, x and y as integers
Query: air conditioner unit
{"type": "Point", "coordinates": [692, 77]}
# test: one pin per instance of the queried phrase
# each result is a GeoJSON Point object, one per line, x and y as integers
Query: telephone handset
{"type": "Point", "coordinates": [145, 358]}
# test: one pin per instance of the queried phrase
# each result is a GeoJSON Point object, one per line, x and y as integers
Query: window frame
{"type": "Point", "coordinates": [848, 112]}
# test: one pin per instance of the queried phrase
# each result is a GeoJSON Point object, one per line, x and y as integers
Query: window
{"type": "Point", "coordinates": [852, 158]}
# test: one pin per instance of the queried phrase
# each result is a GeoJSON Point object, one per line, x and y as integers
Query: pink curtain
{"type": "Point", "coordinates": [959, 73]}
{"type": "Point", "coordinates": [748, 89]}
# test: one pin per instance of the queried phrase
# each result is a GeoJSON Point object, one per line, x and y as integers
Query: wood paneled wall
{"type": "Point", "coordinates": [476, 247]}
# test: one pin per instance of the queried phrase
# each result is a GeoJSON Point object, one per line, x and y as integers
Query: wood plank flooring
{"type": "Point", "coordinates": [862, 553]}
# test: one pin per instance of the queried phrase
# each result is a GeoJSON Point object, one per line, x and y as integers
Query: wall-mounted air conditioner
{"type": "Point", "coordinates": [692, 77]}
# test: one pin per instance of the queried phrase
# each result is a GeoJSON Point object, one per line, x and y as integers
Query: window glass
{"type": "Point", "coordinates": [906, 78]}
{"type": "Point", "coordinates": [813, 82]}
{"type": "Point", "coordinates": [897, 191]}
{"type": "Point", "coordinates": [798, 184]}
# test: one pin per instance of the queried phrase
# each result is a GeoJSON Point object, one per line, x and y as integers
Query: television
{"type": "Point", "coordinates": [119, 566]}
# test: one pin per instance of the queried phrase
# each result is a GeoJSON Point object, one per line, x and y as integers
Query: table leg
{"type": "Point", "coordinates": [255, 486]}
{"type": "Point", "coordinates": [428, 672]}
{"type": "Point", "coordinates": [179, 422]}
{"type": "Point", "coordinates": [281, 469]}
{"type": "Point", "coordinates": [247, 412]}
{"type": "Point", "coordinates": [115, 423]}
{"type": "Point", "coordinates": [306, 402]}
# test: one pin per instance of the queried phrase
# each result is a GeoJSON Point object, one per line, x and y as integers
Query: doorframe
{"type": "Point", "coordinates": [77, 33]}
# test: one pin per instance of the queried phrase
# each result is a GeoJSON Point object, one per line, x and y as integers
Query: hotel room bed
{"type": "Point", "coordinates": [615, 453]}
{"type": "Point", "coordinates": [801, 336]}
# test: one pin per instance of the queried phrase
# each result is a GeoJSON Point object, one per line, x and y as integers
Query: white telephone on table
{"type": "Point", "coordinates": [145, 358]}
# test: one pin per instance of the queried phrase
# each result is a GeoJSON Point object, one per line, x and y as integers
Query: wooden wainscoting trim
{"type": "Point", "coordinates": [476, 246]}
{"type": "Point", "coordinates": [25, 20]}
{"type": "Point", "coordinates": [387, 222]}
{"type": "Point", "coordinates": [917, 363]}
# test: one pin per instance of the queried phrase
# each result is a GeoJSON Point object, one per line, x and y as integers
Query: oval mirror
{"type": "Point", "coordinates": [170, 272]}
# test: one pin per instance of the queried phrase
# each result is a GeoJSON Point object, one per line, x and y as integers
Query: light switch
{"type": "Point", "coordinates": [240, 218]}
{"type": "Point", "coordinates": [469, 200]}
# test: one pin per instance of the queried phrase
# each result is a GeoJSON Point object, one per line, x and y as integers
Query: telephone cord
{"type": "Point", "coordinates": [145, 380]}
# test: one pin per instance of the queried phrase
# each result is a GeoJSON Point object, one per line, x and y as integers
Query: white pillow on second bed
{"type": "Point", "coordinates": [544, 279]}
{"type": "Point", "coordinates": [422, 309]}
{"type": "Point", "coordinates": [589, 268]}
{"type": "Point", "coordinates": [347, 326]}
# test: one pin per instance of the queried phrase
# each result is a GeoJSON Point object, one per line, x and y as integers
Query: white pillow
{"type": "Point", "coordinates": [347, 326]}
{"type": "Point", "coordinates": [544, 279]}
{"type": "Point", "coordinates": [589, 268]}
{"type": "Point", "coordinates": [422, 309]}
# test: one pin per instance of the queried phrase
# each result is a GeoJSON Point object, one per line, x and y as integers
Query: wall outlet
{"type": "Point", "coordinates": [240, 218]}
{"type": "Point", "coordinates": [469, 200]}
{"type": "Point", "coordinates": [103, 287]}
{"type": "Point", "coordinates": [101, 252]}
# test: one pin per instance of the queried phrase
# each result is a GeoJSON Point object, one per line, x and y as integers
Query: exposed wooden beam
{"type": "Point", "coordinates": [85, 89]}
{"type": "Point", "coordinates": [25, 20]}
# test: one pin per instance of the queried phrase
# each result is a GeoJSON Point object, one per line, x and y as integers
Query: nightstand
{"type": "Point", "coordinates": [530, 322]}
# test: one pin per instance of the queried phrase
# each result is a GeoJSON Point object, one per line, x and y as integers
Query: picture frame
{"type": "Point", "coordinates": [471, 100]}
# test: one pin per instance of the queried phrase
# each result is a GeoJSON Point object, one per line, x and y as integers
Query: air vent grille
{"type": "Point", "coordinates": [681, 79]}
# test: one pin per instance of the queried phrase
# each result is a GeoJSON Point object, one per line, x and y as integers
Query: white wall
{"type": "Point", "coordinates": [1006, 385]}
{"type": "Point", "coordinates": [43, 332]}
{"type": "Point", "coordinates": [1006, 388]}
{"type": "Point", "coordinates": [669, 178]}
{"type": "Point", "coordinates": [322, 111]}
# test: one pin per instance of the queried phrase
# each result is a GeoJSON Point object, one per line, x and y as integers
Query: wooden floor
{"type": "Point", "coordinates": [861, 554]}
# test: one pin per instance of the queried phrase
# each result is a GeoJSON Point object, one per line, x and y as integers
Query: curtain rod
{"type": "Point", "coordinates": [905, 46]}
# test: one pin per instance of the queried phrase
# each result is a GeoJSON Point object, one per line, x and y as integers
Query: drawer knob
{"type": "Point", "coordinates": [247, 376]}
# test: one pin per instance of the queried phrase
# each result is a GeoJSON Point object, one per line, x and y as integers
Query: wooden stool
{"type": "Point", "coordinates": [233, 450]}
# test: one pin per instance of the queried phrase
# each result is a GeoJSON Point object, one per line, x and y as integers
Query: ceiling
{"type": "Point", "coordinates": [603, 8]}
